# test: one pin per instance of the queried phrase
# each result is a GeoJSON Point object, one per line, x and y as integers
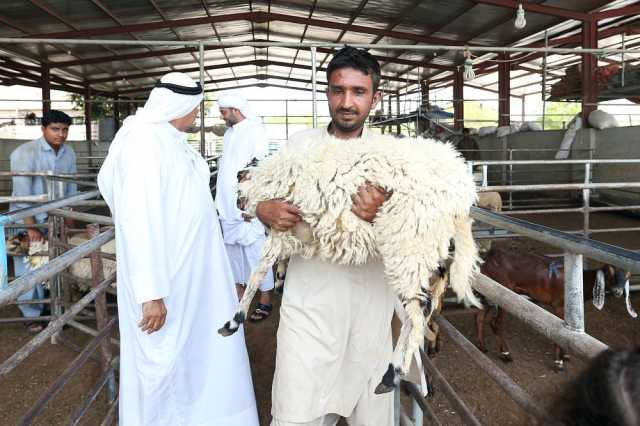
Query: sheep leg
{"type": "Point", "coordinates": [256, 277]}
{"type": "Point", "coordinates": [411, 338]}
{"type": "Point", "coordinates": [392, 376]}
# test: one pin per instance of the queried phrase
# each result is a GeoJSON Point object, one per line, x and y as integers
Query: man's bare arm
{"type": "Point", "coordinates": [278, 214]}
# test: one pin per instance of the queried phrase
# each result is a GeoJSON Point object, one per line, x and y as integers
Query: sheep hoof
{"type": "Point", "coordinates": [232, 326]}
{"type": "Point", "coordinates": [506, 357]}
{"type": "Point", "coordinates": [227, 330]}
{"type": "Point", "coordinates": [558, 366]}
{"type": "Point", "coordinates": [389, 381]}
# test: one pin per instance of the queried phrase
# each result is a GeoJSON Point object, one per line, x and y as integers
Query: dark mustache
{"type": "Point", "coordinates": [346, 110]}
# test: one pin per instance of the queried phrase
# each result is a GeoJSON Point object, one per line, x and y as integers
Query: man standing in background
{"type": "Point", "coordinates": [48, 153]}
{"type": "Point", "coordinates": [244, 237]}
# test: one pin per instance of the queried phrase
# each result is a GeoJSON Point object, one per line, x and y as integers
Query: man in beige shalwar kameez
{"type": "Point", "coordinates": [334, 338]}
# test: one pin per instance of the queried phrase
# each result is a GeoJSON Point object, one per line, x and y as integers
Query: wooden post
{"type": "Point", "coordinates": [102, 315]}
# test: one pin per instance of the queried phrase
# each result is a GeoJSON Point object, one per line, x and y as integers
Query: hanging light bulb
{"type": "Point", "coordinates": [520, 22]}
{"type": "Point", "coordinates": [468, 73]}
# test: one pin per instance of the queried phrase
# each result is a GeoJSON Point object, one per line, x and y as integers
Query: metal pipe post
{"type": "Point", "coordinates": [202, 111]}
{"type": "Point", "coordinates": [398, 131]}
{"type": "Point", "coordinates": [573, 292]}
{"type": "Point", "coordinates": [286, 118]}
{"type": "Point", "coordinates": [511, 179]}
{"type": "Point", "coordinates": [3, 255]}
{"type": "Point", "coordinates": [87, 121]}
{"type": "Point", "coordinates": [586, 194]}
{"type": "Point", "coordinates": [397, 407]}
{"type": "Point", "coordinates": [314, 105]}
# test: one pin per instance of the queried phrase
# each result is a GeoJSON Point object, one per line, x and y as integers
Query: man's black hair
{"type": "Point", "coordinates": [361, 60]}
{"type": "Point", "coordinates": [55, 116]}
{"type": "Point", "coordinates": [466, 130]}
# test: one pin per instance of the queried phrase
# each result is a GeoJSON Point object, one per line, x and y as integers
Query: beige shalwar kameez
{"type": "Point", "coordinates": [334, 341]}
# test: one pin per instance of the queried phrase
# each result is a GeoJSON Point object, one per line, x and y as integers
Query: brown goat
{"type": "Point", "coordinates": [542, 279]}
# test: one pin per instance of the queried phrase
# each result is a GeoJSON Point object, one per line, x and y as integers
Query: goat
{"type": "Point", "coordinates": [542, 279]}
{"type": "Point", "coordinates": [432, 193]}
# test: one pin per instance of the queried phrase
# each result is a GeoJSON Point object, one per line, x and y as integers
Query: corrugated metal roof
{"type": "Point", "coordinates": [121, 68]}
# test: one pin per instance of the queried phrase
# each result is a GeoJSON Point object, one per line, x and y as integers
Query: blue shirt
{"type": "Point", "coordinates": [38, 156]}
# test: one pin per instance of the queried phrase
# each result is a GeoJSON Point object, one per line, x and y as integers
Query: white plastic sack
{"type": "Point", "coordinates": [531, 126]}
{"type": "Point", "coordinates": [565, 145]}
{"type": "Point", "coordinates": [486, 131]}
{"type": "Point", "coordinates": [503, 131]}
{"type": "Point", "coordinates": [602, 120]}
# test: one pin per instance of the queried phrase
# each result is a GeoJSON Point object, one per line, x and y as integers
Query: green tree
{"type": "Point", "coordinates": [559, 114]}
{"type": "Point", "coordinates": [100, 106]}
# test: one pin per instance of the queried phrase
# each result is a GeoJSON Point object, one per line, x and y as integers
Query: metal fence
{"type": "Point", "coordinates": [64, 311]}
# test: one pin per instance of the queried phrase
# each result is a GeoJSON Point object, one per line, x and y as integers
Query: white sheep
{"type": "Point", "coordinates": [431, 195]}
{"type": "Point", "coordinates": [35, 255]}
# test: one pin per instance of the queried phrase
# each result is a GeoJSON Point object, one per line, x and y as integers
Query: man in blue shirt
{"type": "Point", "coordinates": [45, 154]}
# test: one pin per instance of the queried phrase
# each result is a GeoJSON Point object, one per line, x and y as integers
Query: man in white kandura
{"type": "Point", "coordinates": [174, 279]}
{"type": "Point", "coordinates": [244, 237]}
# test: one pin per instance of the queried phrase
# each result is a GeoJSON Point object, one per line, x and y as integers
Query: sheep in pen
{"type": "Point", "coordinates": [427, 212]}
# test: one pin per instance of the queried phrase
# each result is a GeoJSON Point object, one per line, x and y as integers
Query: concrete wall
{"type": "Point", "coordinates": [615, 143]}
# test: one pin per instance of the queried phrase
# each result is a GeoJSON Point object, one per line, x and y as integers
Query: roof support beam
{"type": "Point", "coordinates": [168, 52]}
{"type": "Point", "coordinates": [304, 33]}
{"type": "Point", "coordinates": [255, 17]}
{"type": "Point", "coordinates": [279, 86]}
{"type": "Point", "coordinates": [622, 11]}
{"type": "Point", "coordinates": [538, 8]}
{"type": "Point", "coordinates": [262, 77]}
{"type": "Point", "coordinates": [258, 63]}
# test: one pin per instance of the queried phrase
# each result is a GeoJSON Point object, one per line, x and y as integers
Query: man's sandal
{"type": "Point", "coordinates": [261, 312]}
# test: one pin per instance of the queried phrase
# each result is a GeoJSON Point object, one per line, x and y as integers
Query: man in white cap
{"type": "Point", "coordinates": [174, 279]}
{"type": "Point", "coordinates": [244, 237]}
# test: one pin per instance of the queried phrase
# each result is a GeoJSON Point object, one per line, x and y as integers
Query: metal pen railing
{"type": "Point", "coordinates": [587, 186]}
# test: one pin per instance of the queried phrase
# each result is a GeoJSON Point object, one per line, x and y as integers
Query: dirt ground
{"type": "Point", "coordinates": [531, 369]}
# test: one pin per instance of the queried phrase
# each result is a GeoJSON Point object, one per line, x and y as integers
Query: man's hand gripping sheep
{"type": "Point", "coordinates": [428, 210]}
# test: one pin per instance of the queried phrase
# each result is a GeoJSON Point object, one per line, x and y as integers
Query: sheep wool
{"type": "Point", "coordinates": [431, 192]}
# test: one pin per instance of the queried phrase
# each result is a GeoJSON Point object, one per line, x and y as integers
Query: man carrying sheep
{"type": "Point", "coordinates": [174, 279]}
{"type": "Point", "coordinates": [334, 339]}
{"type": "Point", "coordinates": [244, 237]}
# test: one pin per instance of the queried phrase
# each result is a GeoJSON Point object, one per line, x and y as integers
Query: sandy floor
{"type": "Point", "coordinates": [531, 369]}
